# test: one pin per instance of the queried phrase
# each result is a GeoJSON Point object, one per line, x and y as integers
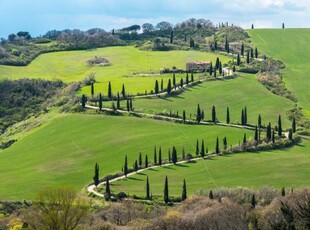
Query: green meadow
{"type": "Point", "coordinates": [292, 47]}
{"type": "Point", "coordinates": [281, 168]}
{"type": "Point", "coordinates": [64, 151]}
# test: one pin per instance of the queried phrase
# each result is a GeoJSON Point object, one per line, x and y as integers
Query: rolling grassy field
{"type": "Point", "coordinates": [71, 66]}
{"type": "Point", "coordinates": [235, 94]}
{"type": "Point", "coordinates": [282, 168]}
{"type": "Point", "coordinates": [292, 47]}
{"type": "Point", "coordinates": [64, 151]}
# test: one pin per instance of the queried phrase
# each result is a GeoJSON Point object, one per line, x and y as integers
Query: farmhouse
{"type": "Point", "coordinates": [197, 65]}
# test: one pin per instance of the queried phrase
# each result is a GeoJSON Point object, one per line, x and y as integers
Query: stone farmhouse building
{"type": "Point", "coordinates": [199, 66]}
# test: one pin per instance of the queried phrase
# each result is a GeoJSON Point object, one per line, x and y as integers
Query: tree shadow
{"type": "Point", "coordinates": [134, 178]}
{"type": "Point", "coordinates": [182, 165]}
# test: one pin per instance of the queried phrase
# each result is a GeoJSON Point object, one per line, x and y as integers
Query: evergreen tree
{"type": "Point", "coordinates": [140, 160]}
{"type": "Point", "coordinates": [191, 43]}
{"type": "Point", "coordinates": [198, 116]}
{"type": "Point", "coordinates": [118, 102]}
{"type": "Point", "coordinates": [173, 80]}
{"type": "Point", "coordinates": [234, 69]}
{"type": "Point", "coordinates": [183, 153]}
{"type": "Point", "coordinates": [268, 133]}
{"type": "Point", "coordinates": [96, 176]}
{"type": "Point", "coordinates": [238, 60]}
{"type": "Point", "coordinates": [248, 57]}
{"type": "Point", "coordinates": [226, 45]}
{"type": "Point", "coordinates": [259, 121]}
{"type": "Point", "coordinates": [245, 116]}
{"type": "Point", "coordinates": [283, 26]}
{"type": "Point", "coordinates": [294, 125]}
{"type": "Point", "coordinates": [217, 63]}
{"type": "Point", "coordinates": [197, 148]}
{"type": "Point", "coordinates": [290, 135]}
{"type": "Point", "coordinates": [215, 45]}
{"type": "Point", "coordinates": [128, 105]}
{"type": "Point", "coordinates": [161, 85]}
{"type": "Point", "coordinates": [225, 143]}
{"type": "Point", "coordinates": [184, 192]}
{"type": "Point", "coordinates": [220, 68]}
{"type": "Point", "coordinates": [123, 91]}
{"type": "Point", "coordinates": [202, 115]}
{"type": "Point", "coordinates": [100, 101]}
{"type": "Point", "coordinates": [202, 150]}
{"type": "Point", "coordinates": [181, 83]}
{"type": "Point", "coordinates": [242, 117]}
{"type": "Point", "coordinates": [169, 87]}
{"type": "Point", "coordinates": [252, 53]}
{"type": "Point", "coordinates": [136, 167]}
{"type": "Point", "coordinates": [214, 72]}
{"type": "Point", "coordinates": [279, 126]}
{"type": "Point", "coordinates": [211, 69]}
{"type": "Point", "coordinates": [192, 76]}
{"type": "Point", "coordinates": [253, 201]}
{"type": "Point", "coordinates": [244, 141]}
{"type": "Point", "coordinates": [126, 167]}
{"type": "Point", "coordinates": [110, 90]}
{"type": "Point", "coordinates": [156, 87]}
{"type": "Point", "coordinates": [273, 137]}
{"type": "Point", "coordinates": [92, 90]}
{"type": "Point", "coordinates": [166, 191]}
{"type": "Point", "coordinates": [252, 26]}
{"type": "Point", "coordinates": [83, 100]}
{"type": "Point", "coordinates": [256, 134]}
{"type": "Point", "coordinates": [187, 80]}
{"type": "Point", "coordinates": [242, 49]}
{"type": "Point", "coordinates": [184, 116]}
{"type": "Point", "coordinates": [211, 195]}
{"type": "Point", "coordinates": [174, 155]}
{"type": "Point", "coordinates": [227, 116]}
{"type": "Point", "coordinates": [146, 163]}
{"type": "Point", "coordinates": [217, 147]}
{"type": "Point", "coordinates": [147, 192]}
{"type": "Point", "coordinates": [107, 194]}
{"type": "Point", "coordinates": [159, 156]}
{"type": "Point", "coordinates": [256, 53]}
{"type": "Point", "coordinates": [155, 156]}
{"type": "Point", "coordinates": [171, 37]}
{"type": "Point", "coordinates": [213, 114]}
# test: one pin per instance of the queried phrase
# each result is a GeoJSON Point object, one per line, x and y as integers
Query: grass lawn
{"type": "Point", "coordinates": [292, 47]}
{"type": "Point", "coordinates": [71, 66]}
{"type": "Point", "coordinates": [282, 168]}
{"type": "Point", "coordinates": [64, 151]}
{"type": "Point", "coordinates": [235, 94]}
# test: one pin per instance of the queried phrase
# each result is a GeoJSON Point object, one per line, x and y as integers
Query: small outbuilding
{"type": "Point", "coordinates": [197, 66]}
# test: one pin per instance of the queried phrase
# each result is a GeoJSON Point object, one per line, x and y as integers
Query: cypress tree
{"type": "Point", "coordinates": [123, 91]}
{"type": "Point", "coordinates": [211, 195]}
{"type": "Point", "coordinates": [242, 49]}
{"type": "Point", "coordinates": [155, 156]}
{"type": "Point", "coordinates": [294, 125]}
{"type": "Point", "coordinates": [187, 81]}
{"type": "Point", "coordinates": [83, 100]}
{"type": "Point", "coordinates": [166, 191]}
{"type": "Point", "coordinates": [226, 45]}
{"type": "Point", "coordinates": [147, 192]}
{"type": "Point", "coordinates": [162, 85]}
{"type": "Point", "coordinates": [169, 86]}
{"type": "Point", "coordinates": [183, 153]}
{"type": "Point", "coordinates": [227, 116]}
{"type": "Point", "coordinates": [159, 156]}
{"type": "Point", "coordinates": [184, 192]}
{"type": "Point", "coordinates": [252, 27]}
{"type": "Point", "coordinates": [211, 69]}
{"type": "Point", "coordinates": [128, 105]}
{"type": "Point", "coordinates": [136, 167]}
{"type": "Point", "coordinates": [245, 116]}
{"type": "Point", "coordinates": [283, 26]}
{"type": "Point", "coordinates": [146, 163]}
{"type": "Point", "coordinates": [252, 53]}
{"type": "Point", "coordinates": [214, 72]}
{"type": "Point", "coordinates": [192, 76]}
{"type": "Point", "coordinates": [220, 68]}
{"type": "Point", "coordinates": [279, 126]}
{"type": "Point", "coordinates": [244, 141]}
{"type": "Point", "coordinates": [217, 147]}
{"type": "Point", "coordinates": [238, 60]}
{"type": "Point", "coordinates": [273, 137]}
{"type": "Point", "coordinates": [198, 116]}
{"type": "Point", "coordinates": [110, 90]}
{"type": "Point", "coordinates": [217, 63]}
{"type": "Point", "coordinates": [126, 167]}
{"type": "Point", "coordinates": [213, 114]}
{"type": "Point", "coordinates": [197, 148]}
{"type": "Point", "coordinates": [242, 117]}
{"type": "Point", "coordinates": [184, 116]}
{"type": "Point", "coordinates": [96, 176]}
{"type": "Point", "coordinates": [202, 151]}
{"type": "Point", "coordinates": [171, 37]}
{"type": "Point", "coordinates": [290, 135]}
{"type": "Point", "coordinates": [268, 133]}
{"type": "Point", "coordinates": [256, 53]}
{"type": "Point", "coordinates": [92, 90]}
{"type": "Point", "coordinates": [256, 134]}
{"type": "Point", "coordinates": [234, 69]}
{"type": "Point", "coordinates": [118, 102]}
{"type": "Point", "coordinates": [225, 143]}
{"type": "Point", "coordinates": [107, 194]}
{"type": "Point", "coordinates": [173, 80]}
{"type": "Point", "coordinates": [100, 101]}
{"type": "Point", "coordinates": [253, 201]}
{"type": "Point", "coordinates": [140, 160]}
{"type": "Point", "coordinates": [215, 45]}
{"type": "Point", "coordinates": [202, 115]}
{"type": "Point", "coordinates": [248, 57]}
{"type": "Point", "coordinates": [181, 83]}
{"type": "Point", "coordinates": [156, 87]}
{"type": "Point", "coordinates": [259, 121]}
{"type": "Point", "coordinates": [174, 155]}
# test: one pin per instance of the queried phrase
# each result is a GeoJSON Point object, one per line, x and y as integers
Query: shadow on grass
{"type": "Point", "coordinates": [169, 167]}
{"type": "Point", "coordinates": [141, 173]}
{"type": "Point", "coordinates": [152, 169]}
{"type": "Point", "coordinates": [134, 178]}
{"type": "Point", "coordinates": [182, 165]}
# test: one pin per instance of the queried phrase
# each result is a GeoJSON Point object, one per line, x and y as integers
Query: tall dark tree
{"type": "Point", "coordinates": [183, 153]}
{"type": "Point", "coordinates": [123, 91]}
{"type": "Point", "coordinates": [140, 160]}
{"type": "Point", "coordinates": [171, 37]}
{"type": "Point", "coordinates": [213, 114]}
{"type": "Point", "coordinates": [252, 53]}
{"type": "Point", "coordinates": [155, 155]}
{"type": "Point", "coordinates": [156, 87]}
{"type": "Point", "coordinates": [242, 49]}
{"type": "Point", "coordinates": [217, 146]}
{"type": "Point", "coordinates": [128, 105]}
{"type": "Point", "coordinates": [245, 116]}
{"type": "Point", "coordinates": [136, 167]}
{"type": "Point", "coordinates": [227, 116]}
{"type": "Point", "coordinates": [92, 90]}
{"type": "Point", "coordinates": [259, 121]}
{"type": "Point", "coordinates": [96, 176]}
{"type": "Point", "coordinates": [192, 76]}
{"type": "Point", "coordinates": [283, 26]}
{"type": "Point", "coordinates": [268, 132]}
{"type": "Point", "coordinates": [174, 81]}
{"type": "Point", "coordinates": [211, 195]}
{"type": "Point", "coordinates": [279, 126]}
{"type": "Point", "coordinates": [118, 102]}
{"type": "Point", "coordinates": [174, 155]}
{"type": "Point", "coordinates": [161, 85]}
{"type": "Point", "coordinates": [146, 162]}
{"type": "Point", "coordinates": [197, 148]}
{"type": "Point", "coordinates": [253, 201]}
{"type": "Point", "coordinates": [169, 87]}
{"type": "Point", "coordinates": [187, 80]}
{"type": "Point", "coordinates": [107, 194]}
{"type": "Point", "coordinates": [166, 191]}
{"type": "Point", "coordinates": [100, 101]}
{"type": "Point", "coordinates": [202, 115]}
{"type": "Point", "coordinates": [244, 141]}
{"type": "Point", "coordinates": [215, 45]}
{"type": "Point", "coordinates": [198, 116]}
{"type": "Point", "coordinates": [226, 45]}
{"type": "Point", "coordinates": [220, 68]}
{"type": "Point", "coordinates": [242, 117]}
{"type": "Point", "coordinates": [214, 72]}
{"type": "Point", "coordinates": [294, 125]}
{"type": "Point", "coordinates": [83, 100]}
{"type": "Point", "coordinates": [248, 57]}
{"type": "Point", "coordinates": [217, 63]}
{"type": "Point", "coordinates": [147, 189]}
{"type": "Point", "coordinates": [202, 150]}
{"type": "Point", "coordinates": [252, 27]}
{"type": "Point", "coordinates": [225, 143]}
{"type": "Point", "coordinates": [256, 135]}
{"type": "Point", "coordinates": [273, 137]}
{"type": "Point", "coordinates": [238, 60]}
{"type": "Point", "coordinates": [159, 156]}
{"type": "Point", "coordinates": [290, 134]}
{"type": "Point", "coordinates": [184, 116]}
{"type": "Point", "coordinates": [126, 166]}
{"type": "Point", "coordinates": [234, 69]}
{"type": "Point", "coordinates": [110, 90]}
{"type": "Point", "coordinates": [181, 82]}
{"type": "Point", "coordinates": [184, 192]}
{"type": "Point", "coordinates": [256, 52]}
{"type": "Point", "coordinates": [191, 43]}
{"type": "Point", "coordinates": [211, 69]}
